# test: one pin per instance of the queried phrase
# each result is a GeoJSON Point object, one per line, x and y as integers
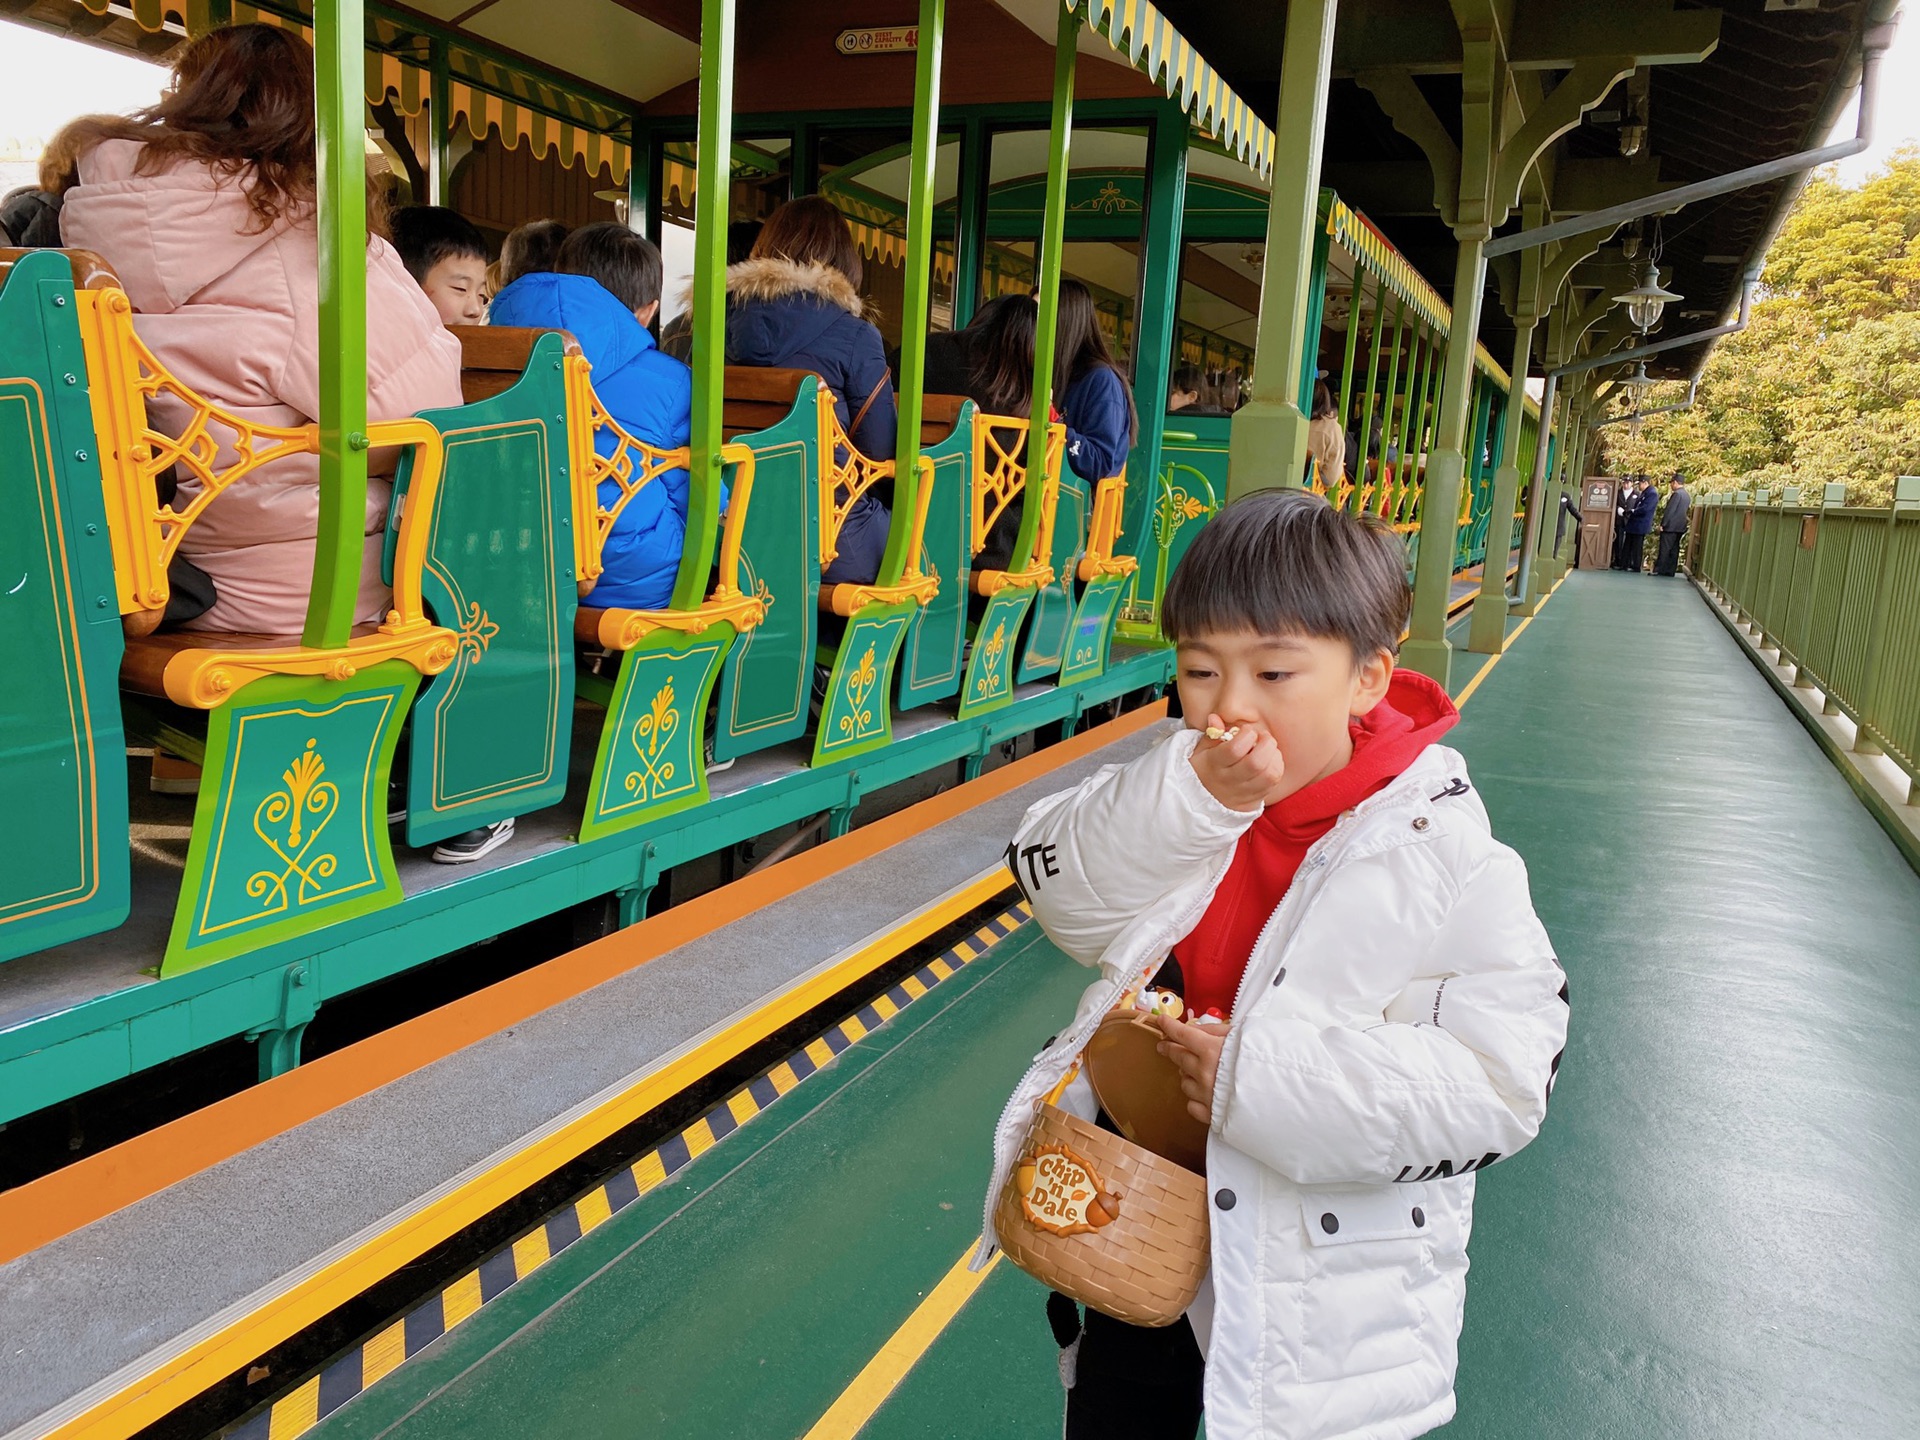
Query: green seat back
{"type": "Point", "coordinates": [767, 683]}
{"type": "Point", "coordinates": [1052, 617]}
{"type": "Point", "coordinates": [930, 662]}
{"type": "Point", "coordinates": [492, 733]}
{"type": "Point", "coordinates": [64, 857]}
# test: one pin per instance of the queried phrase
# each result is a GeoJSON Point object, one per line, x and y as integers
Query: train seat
{"type": "Point", "coordinates": [651, 761]}
{"type": "Point", "coordinates": [1000, 478]}
{"type": "Point", "coordinates": [290, 827]}
{"type": "Point", "coordinates": [492, 733]}
{"type": "Point", "coordinates": [68, 874]}
{"type": "Point", "coordinates": [933, 652]}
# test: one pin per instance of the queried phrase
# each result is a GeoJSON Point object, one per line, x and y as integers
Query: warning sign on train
{"type": "Point", "coordinates": [880, 40]}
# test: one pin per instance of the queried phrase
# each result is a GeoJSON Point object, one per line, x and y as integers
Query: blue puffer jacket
{"type": "Point", "coordinates": [808, 317]}
{"type": "Point", "coordinates": [651, 395]}
{"type": "Point", "coordinates": [1099, 424]}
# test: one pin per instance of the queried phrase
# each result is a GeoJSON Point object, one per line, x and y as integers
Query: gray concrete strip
{"type": "Point", "coordinates": [115, 1297]}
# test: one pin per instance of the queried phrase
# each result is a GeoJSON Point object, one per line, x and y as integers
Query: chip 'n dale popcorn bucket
{"type": "Point", "coordinates": [1116, 1222]}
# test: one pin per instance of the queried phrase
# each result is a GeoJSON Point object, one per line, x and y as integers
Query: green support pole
{"type": "Point", "coordinates": [642, 214]}
{"type": "Point", "coordinates": [1353, 345]}
{"type": "Point", "coordinates": [439, 123]}
{"type": "Point", "coordinates": [1487, 634]}
{"type": "Point", "coordinates": [1426, 648]}
{"type": "Point", "coordinates": [1316, 317]}
{"type": "Point", "coordinates": [1154, 348]}
{"type": "Point", "coordinates": [339, 37]}
{"type": "Point", "coordinates": [1052, 248]}
{"type": "Point", "coordinates": [1268, 441]}
{"type": "Point", "coordinates": [1533, 546]}
{"type": "Point", "coordinates": [970, 228]}
{"type": "Point", "coordinates": [917, 301]}
{"type": "Point", "coordinates": [1389, 398]}
{"type": "Point", "coordinates": [1373, 386]}
{"type": "Point", "coordinates": [713, 181]}
{"type": "Point", "coordinates": [804, 168]}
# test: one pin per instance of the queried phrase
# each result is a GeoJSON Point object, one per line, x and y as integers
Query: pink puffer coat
{"type": "Point", "coordinates": [233, 313]}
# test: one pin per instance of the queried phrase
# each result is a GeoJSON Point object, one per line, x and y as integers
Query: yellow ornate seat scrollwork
{"type": "Point", "coordinates": [845, 475]}
{"type": "Point", "coordinates": [999, 478]}
{"type": "Point", "coordinates": [632, 466]}
{"type": "Point", "coordinates": [1103, 533]}
{"type": "Point", "coordinates": [125, 376]}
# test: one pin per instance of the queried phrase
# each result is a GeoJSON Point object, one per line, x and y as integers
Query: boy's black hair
{"type": "Point", "coordinates": [1285, 562]}
{"type": "Point", "coordinates": [427, 234]}
{"type": "Point", "coordinates": [626, 264]}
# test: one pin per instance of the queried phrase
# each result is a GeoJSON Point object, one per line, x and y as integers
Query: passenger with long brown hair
{"type": "Point", "coordinates": [795, 304]}
{"type": "Point", "coordinates": [204, 204]}
{"type": "Point", "coordinates": [1001, 383]}
{"type": "Point", "coordinates": [1092, 394]}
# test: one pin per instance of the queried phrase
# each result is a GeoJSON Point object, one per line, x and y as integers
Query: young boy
{"type": "Point", "coordinates": [604, 290]}
{"type": "Point", "coordinates": [447, 256]}
{"type": "Point", "coordinates": [1323, 878]}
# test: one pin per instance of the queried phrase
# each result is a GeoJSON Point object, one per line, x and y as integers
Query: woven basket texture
{"type": "Point", "coordinates": [1145, 1266]}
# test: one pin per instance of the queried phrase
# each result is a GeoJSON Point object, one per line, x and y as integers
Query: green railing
{"type": "Point", "coordinates": [1836, 590]}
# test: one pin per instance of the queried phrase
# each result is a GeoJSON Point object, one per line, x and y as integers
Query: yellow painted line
{"type": "Point", "coordinates": [296, 1414]}
{"type": "Point", "coordinates": [742, 1106]}
{"type": "Point", "coordinates": [382, 1355]}
{"type": "Point", "coordinates": [460, 1299]}
{"type": "Point", "coordinates": [132, 1400]}
{"type": "Point", "coordinates": [783, 1077]}
{"type": "Point", "coordinates": [530, 1251]}
{"type": "Point", "coordinates": [1460, 701]}
{"type": "Point", "coordinates": [649, 1172]}
{"type": "Point", "coordinates": [593, 1209]}
{"type": "Point", "coordinates": [884, 1008]}
{"type": "Point", "coordinates": [913, 986]}
{"type": "Point", "coordinates": [883, 1373]}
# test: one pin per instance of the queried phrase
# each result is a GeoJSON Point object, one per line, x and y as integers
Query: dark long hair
{"type": "Point", "coordinates": [810, 231]}
{"type": "Point", "coordinates": [1001, 374]}
{"type": "Point", "coordinates": [241, 103]}
{"type": "Point", "coordinates": [1081, 346]}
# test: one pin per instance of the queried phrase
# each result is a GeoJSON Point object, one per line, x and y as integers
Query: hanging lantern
{"type": "Point", "coordinates": [1637, 384]}
{"type": "Point", "coordinates": [1646, 301]}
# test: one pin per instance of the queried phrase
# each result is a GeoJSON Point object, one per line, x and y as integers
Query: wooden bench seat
{"type": "Point", "coordinates": [494, 357]}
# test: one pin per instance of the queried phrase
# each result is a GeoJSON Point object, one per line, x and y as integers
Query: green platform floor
{"type": "Point", "coordinates": [1713, 1236]}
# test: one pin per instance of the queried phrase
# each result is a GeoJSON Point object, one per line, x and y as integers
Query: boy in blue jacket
{"type": "Point", "coordinates": [604, 290]}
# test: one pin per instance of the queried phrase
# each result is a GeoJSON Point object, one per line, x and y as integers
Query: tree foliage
{"type": "Point", "coordinates": [1824, 384]}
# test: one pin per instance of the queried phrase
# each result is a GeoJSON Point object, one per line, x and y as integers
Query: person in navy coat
{"type": "Point", "coordinates": [604, 290]}
{"type": "Point", "coordinates": [795, 304]}
{"type": "Point", "coordinates": [1640, 525]}
{"type": "Point", "coordinates": [1092, 394]}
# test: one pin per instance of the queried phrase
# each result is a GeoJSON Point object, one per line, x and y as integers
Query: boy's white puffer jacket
{"type": "Point", "coordinates": [1397, 1031]}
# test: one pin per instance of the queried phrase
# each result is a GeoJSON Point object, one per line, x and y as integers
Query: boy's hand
{"type": "Point", "coordinates": [1243, 773]}
{"type": "Point", "coordinates": [1195, 1049]}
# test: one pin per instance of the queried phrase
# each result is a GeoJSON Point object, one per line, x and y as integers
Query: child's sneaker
{"type": "Point", "coordinates": [173, 776]}
{"type": "Point", "coordinates": [465, 849]}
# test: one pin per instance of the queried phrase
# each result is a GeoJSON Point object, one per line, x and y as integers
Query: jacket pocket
{"type": "Point", "coordinates": [1368, 1252]}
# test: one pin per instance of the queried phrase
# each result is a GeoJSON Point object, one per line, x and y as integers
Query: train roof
{"type": "Point", "coordinates": [1717, 89]}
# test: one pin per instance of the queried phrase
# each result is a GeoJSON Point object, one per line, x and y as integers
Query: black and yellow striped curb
{"type": "Point", "coordinates": [320, 1395]}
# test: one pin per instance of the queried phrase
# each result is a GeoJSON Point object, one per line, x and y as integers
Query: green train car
{"type": "Point", "coordinates": [137, 927]}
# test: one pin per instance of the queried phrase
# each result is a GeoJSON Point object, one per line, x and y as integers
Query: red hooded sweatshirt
{"type": "Point", "coordinates": [1414, 713]}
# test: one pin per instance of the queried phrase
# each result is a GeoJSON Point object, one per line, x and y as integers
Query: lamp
{"type": "Point", "coordinates": [1637, 384]}
{"type": "Point", "coordinates": [1646, 300]}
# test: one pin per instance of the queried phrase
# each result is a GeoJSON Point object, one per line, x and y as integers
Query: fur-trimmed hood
{"type": "Point", "coordinates": [773, 278]}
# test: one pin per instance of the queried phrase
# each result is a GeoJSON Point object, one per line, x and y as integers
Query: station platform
{"type": "Point", "coordinates": [1708, 1239]}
